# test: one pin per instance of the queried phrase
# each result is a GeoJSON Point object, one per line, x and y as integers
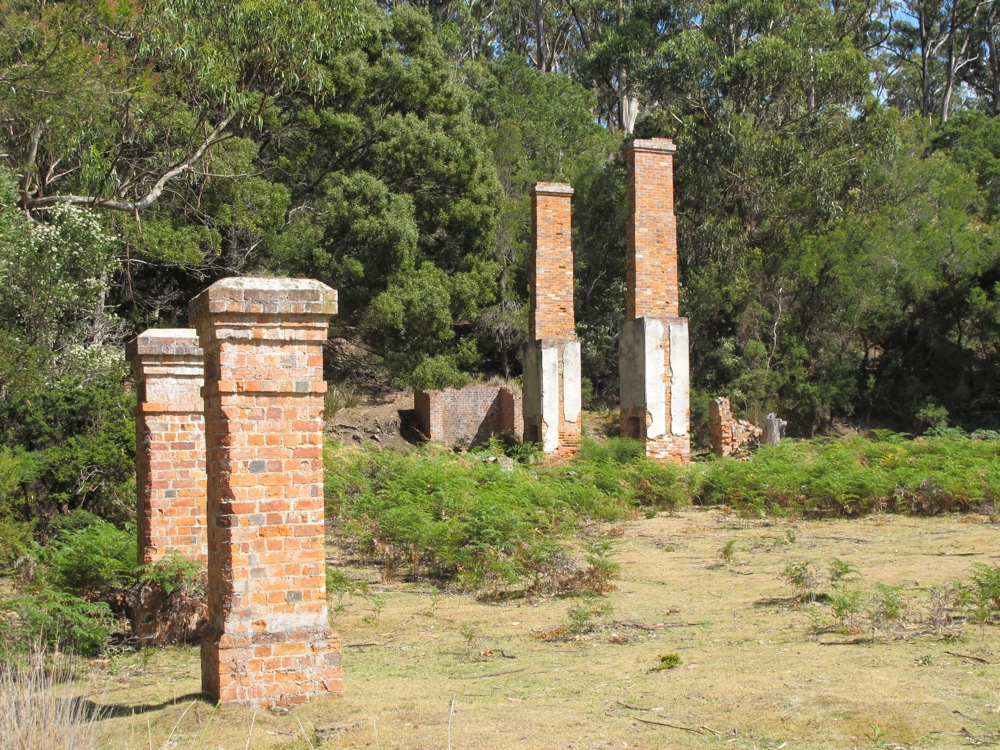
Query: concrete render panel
{"type": "Point", "coordinates": [549, 380]}
{"type": "Point", "coordinates": [680, 388]}
{"type": "Point", "coordinates": [631, 363]}
{"type": "Point", "coordinates": [572, 382]}
{"type": "Point", "coordinates": [642, 371]}
{"type": "Point", "coordinates": [531, 382]}
{"type": "Point", "coordinates": [655, 377]}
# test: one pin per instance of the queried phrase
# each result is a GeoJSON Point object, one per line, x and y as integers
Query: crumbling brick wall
{"type": "Point", "coordinates": [268, 640]}
{"type": "Point", "coordinates": [728, 435]}
{"type": "Point", "coordinates": [467, 416]}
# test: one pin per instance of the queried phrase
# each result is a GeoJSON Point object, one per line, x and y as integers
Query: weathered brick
{"type": "Point", "coordinates": [552, 378]}
{"type": "Point", "coordinates": [653, 379]}
{"type": "Point", "coordinates": [171, 484]}
{"type": "Point", "coordinates": [468, 415]}
{"type": "Point", "coordinates": [264, 381]}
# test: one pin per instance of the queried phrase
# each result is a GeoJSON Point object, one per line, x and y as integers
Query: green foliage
{"type": "Point", "coordinates": [852, 476]}
{"type": "Point", "coordinates": [982, 593]}
{"type": "Point", "coordinates": [588, 616]}
{"type": "Point", "coordinates": [54, 619]}
{"type": "Point", "coordinates": [848, 607]}
{"type": "Point", "coordinates": [669, 661]}
{"type": "Point", "coordinates": [96, 560]}
{"type": "Point", "coordinates": [803, 577]}
{"type": "Point", "coordinates": [173, 573]}
{"type": "Point", "coordinates": [460, 519]}
{"type": "Point", "coordinates": [886, 609]}
{"type": "Point", "coordinates": [842, 572]}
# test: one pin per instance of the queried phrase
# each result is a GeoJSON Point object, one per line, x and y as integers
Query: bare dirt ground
{"type": "Point", "coordinates": [426, 670]}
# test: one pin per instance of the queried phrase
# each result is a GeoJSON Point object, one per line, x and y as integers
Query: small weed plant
{"type": "Point", "coordinates": [668, 661]}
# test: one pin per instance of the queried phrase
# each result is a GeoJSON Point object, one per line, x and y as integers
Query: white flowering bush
{"type": "Point", "coordinates": [54, 275]}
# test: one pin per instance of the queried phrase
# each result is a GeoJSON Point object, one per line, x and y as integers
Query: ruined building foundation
{"type": "Point", "coordinates": [267, 641]}
{"type": "Point", "coordinates": [653, 344]}
{"type": "Point", "coordinates": [171, 483]}
{"type": "Point", "coordinates": [467, 416]}
{"type": "Point", "coordinates": [552, 379]}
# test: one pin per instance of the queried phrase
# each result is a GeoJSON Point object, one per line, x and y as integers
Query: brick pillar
{"type": "Point", "coordinates": [653, 345]}
{"type": "Point", "coordinates": [170, 444]}
{"type": "Point", "coordinates": [720, 427]}
{"type": "Point", "coordinates": [268, 640]}
{"type": "Point", "coordinates": [552, 379]}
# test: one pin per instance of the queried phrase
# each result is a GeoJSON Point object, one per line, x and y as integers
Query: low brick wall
{"type": "Point", "coordinates": [468, 415]}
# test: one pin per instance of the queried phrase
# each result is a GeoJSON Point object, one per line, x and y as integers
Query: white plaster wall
{"type": "Point", "coordinates": [572, 394]}
{"type": "Point", "coordinates": [680, 386]}
{"type": "Point", "coordinates": [550, 399]}
{"type": "Point", "coordinates": [655, 372]}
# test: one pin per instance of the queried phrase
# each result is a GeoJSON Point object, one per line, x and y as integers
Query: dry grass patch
{"type": "Point", "coordinates": [754, 671]}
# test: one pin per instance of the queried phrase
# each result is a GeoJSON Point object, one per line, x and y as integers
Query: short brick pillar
{"type": "Point", "coordinates": [721, 427]}
{"type": "Point", "coordinates": [268, 640]}
{"type": "Point", "coordinates": [551, 358]}
{"type": "Point", "coordinates": [171, 485]}
{"type": "Point", "coordinates": [653, 344]}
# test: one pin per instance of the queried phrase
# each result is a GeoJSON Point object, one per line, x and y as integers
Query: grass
{"type": "Point", "coordinates": [35, 714]}
{"type": "Point", "coordinates": [752, 667]}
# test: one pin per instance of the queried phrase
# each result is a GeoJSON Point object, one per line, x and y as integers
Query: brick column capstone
{"type": "Point", "coordinates": [552, 377]}
{"type": "Point", "coordinates": [653, 344]}
{"type": "Point", "coordinates": [171, 483]}
{"type": "Point", "coordinates": [268, 640]}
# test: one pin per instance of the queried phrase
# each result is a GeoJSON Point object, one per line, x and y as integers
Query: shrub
{"type": "Point", "coordinates": [56, 620]}
{"type": "Point", "coordinates": [95, 561]}
{"type": "Point", "coordinates": [168, 602]}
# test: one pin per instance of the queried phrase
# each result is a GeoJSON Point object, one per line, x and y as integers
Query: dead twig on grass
{"type": "Point", "coordinates": [697, 730]}
{"type": "Point", "coordinates": [967, 656]}
{"type": "Point", "coordinates": [635, 708]}
{"type": "Point", "coordinates": [491, 674]}
{"type": "Point", "coordinates": [451, 713]}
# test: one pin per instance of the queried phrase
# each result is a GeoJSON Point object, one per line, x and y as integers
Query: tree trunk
{"type": "Point", "coordinates": [540, 36]}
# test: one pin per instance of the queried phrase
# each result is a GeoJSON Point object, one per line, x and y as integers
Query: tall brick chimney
{"type": "Point", "coordinates": [653, 343]}
{"type": "Point", "coordinates": [552, 378]}
{"type": "Point", "coordinates": [268, 640]}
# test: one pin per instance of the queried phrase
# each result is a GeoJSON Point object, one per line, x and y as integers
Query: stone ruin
{"type": "Point", "coordinates": [267, 640]}
{"type": "Point", "coordinates": [728, 436]}
{"type": "Point", "coordinates": [461, 417]}
{"type": "Point", "coordinates": [230, 433]}
{"type": "Point", "coordinates": [653, 341]}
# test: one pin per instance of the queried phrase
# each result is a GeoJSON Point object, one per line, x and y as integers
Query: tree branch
{"type": "Point", "coordinates": [147, 200]}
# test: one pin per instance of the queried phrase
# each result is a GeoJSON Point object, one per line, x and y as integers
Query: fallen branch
{"type": "Point", "coordinates": [967, 656]}
{"type": "Point", "coordinates": [699, 730]}
{"type": "Point", "coordinates": [491, 674]}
